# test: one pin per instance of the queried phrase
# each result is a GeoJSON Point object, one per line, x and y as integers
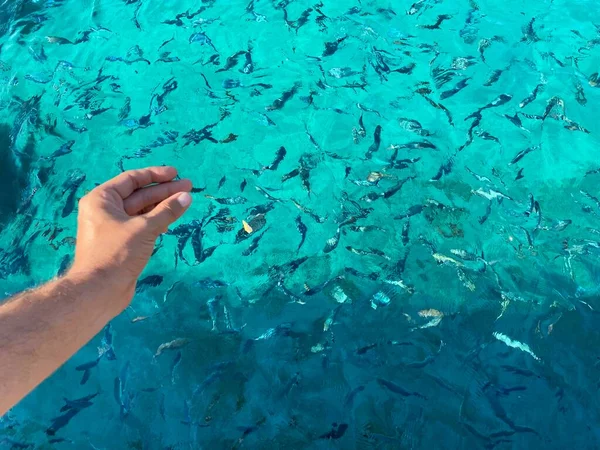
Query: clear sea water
{"type": "Point", "coordinates": [459, 308]}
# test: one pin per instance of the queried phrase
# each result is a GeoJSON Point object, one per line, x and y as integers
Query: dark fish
{"type": "Point", "coordinates": [287, 95]}
{"type": "Point", "coordinates": [65, 263]}
{"type": "Point", "coordinates": [456, 89]}
{"type": "Point", "coordinates": [376, 143]}
{"type": "Point", "coordinates": [75, 128]}
{"type": "Point", "coordinates": [243, 185]}
{"type": "Point", "coordinates": [486, 216]}
{"type": "Point", "coordinates": [440, 19]}
{"type": "Point", "coordinates": [396, 389]}
{"type": "Point", "coordinates": [552, 103]}
{"type": "Point", "coordinates": [531, 97]}
{"type": "Point", "coordinates": [529, 34]}
{"type": "Point", "coordinates": [61, 421]}
{"type": "Point", "coordinates": [494, 77]}
{"type": "Point", "coordinates": [404, 233]}
{"type": "Point", "coordinates": [64, 149]}
{"type": "Point", "coordinates": [280, 155]}
{"type": "Point", "coordinates": [79, 403]}
{"type": "Point", "coordinates": [580, 94]}
{"type": "Point", "coordinates": [88, 365]}
{"type": "Point", "coordinates": [444, 169]}
{"type": "Point", "coordinates": [231, 61]}
{"type": "Point", "coordinates": [519, 174]}
{"type": "Point", "coordinates": [332, 47]}
{"type": "Point", "coordinates": [394, 189]}
{"type": "Point", "coordinates": [292, 174]}
{"type": "Point", "coordinates": [302, 229]}
{"type": "Point", "coordinates": [254, 244]}
{"type": "Point", "coordinates": [221, 182]}
{"type": "Point", "coordinates": [336, 432]}
{"type": "Point", "coordinates": [522, 153]}
{"type": "Point", "coordinates": [125, 109]}
{"type": "Point", "coordinates": [230, 138]}
{"type": "Point", "coordinates": [516, 121]}
{"type": "Point", "coordinates": [348, 402]}
{"type": "Point", "coordinates": [149, 281]}
{"type": "Point", "coordinates": [411, 211]}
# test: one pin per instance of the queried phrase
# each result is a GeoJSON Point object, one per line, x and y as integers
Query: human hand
{"type": "Point", "coordinates": [118, 223]}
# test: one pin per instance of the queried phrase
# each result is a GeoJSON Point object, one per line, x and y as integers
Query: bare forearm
{"type": "Point", "coordinates": [43, 328]}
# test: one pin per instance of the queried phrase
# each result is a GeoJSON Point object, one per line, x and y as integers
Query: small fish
{"type": "Point", "coordinates": [531, 97]}
{"type": "Point", "coordinates": [376, 142]}
{"type": "Point", "coordinates": [174, 364]}
{"type": "Point", "coordinates": [302, 229]}
{"type": "Point", "coordinates": [436, 26]}
{"type": "Point", "coordinates": [519, 174]}
{"type": "Point", "coordinates": [420, 145]}
{"type": "Point", "coordinates": [332, 47]}
{"type": "Point", "coordinates": [336, 432]}
{"type": "Point", "coordinates": [332, 242]}
{"type": "Point", "coordinates": [287, 95]}
{"type": "Point", "coordinates": [74, 127]}
{"type": "Point", "coordinates": [172, 345]}
{"type": "Point", "coordinates": [150, 280]}
{"type": "Point", "coordinates": [522, 154]}
{"type": "Point", "coordinates": [396, 389]}
{"type": "Point", "coordinates": [201, 38]}
{"type": "Point", "coordinates": [371, 251]}
{"type": "Point", "coordinates": [238, 200]}
{"type": "Point", "coordinates": [515, 344]}
{"type": "Point", "coordinates": [459, 87]}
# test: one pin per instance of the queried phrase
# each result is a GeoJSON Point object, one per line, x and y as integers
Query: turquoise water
{"type": "Point", "coordinates": [440, 158]}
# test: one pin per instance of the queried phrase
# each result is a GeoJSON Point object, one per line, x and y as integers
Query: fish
{"type": "Point", "coordinates": [336, 432]}
{"type": "Point", "coordinates": [376, 142]}
{"type": "Point", "coordinates": [279, 157]}
{"type": "Point", "coordinates": [332, 47]}
{"type": "Point", "coordinates": [371, 251]}
{"type": "Point", "coordinates": [531, 97]}
{"type": "Point", "coordinates": [519, 174]}
{"type": "Point", "coordinates": [397, 389]}
{"type": "Point", "coordinates": [436, 26]}
{"type": "Point", "coordinates": [456, 89]}
{"type": "Point", "coordinates": [149, 281]}
{"type": "Point", "coordinates": [61, 421]}
{"type": "Point", "coordinates": [515, 344]}
{"type": "Point", "coordinates": [494, 77]}
{"type": "Point", "coordinates": [254, 244]}
{"type": "Point", "coordinates": [201, 38]}
{"type": "Point", "coordinates": [64, 149]}
{"type": "Point", "coordinates": [522, 154]}
{"type": "Point", "coordinates": [302, 229]}
{"type": "Point", "coordinates": [285, 97]}
{"type": "Point", "coordinates": [78, 403]}
{"type": "Point", "coordinates": [417, 145]}
{"type": "Point", "coordinates": [172, 345]}
{"type": "Point", "coordinates": [552, 103]}
{"type": "Point", "coordinates": [238, 200]}
{"type": "Point", "coordinates": [332, 242]}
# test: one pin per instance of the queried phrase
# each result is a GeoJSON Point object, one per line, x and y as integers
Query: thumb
{"type": "Point", "coordinates": [168, 211]}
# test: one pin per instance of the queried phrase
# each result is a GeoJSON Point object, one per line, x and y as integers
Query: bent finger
{"type": "Point", "coordinates": [131, 180]}
{"type": "Point", "coordinates": [148, 196]}
{"type": "Point", "coordinates": [168, 211]}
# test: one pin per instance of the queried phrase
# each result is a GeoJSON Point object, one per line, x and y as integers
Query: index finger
{"type": "Point", "coordinates": [131, 180]}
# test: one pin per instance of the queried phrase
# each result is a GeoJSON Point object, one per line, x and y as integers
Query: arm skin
{"type": "Point", "coordinates": [118, 223]}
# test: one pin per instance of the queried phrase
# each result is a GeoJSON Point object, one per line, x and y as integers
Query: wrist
{"type": "Point", "coordinates": [108, 290]}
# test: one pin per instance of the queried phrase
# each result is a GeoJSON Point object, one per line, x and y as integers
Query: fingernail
{"type": "Point", "coordinates": [184, 199]}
